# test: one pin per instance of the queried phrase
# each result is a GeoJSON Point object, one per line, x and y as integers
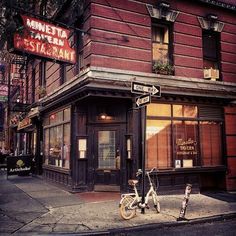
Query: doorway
{"type": "Point", "coordinates": [107, 159]}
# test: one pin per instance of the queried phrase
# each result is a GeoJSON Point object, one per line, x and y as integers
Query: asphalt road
{"type": "Point", "coordinates": [219, 228]}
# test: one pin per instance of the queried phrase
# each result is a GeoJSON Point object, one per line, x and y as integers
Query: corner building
{"type": "Point", "coordinates": [88, 126]}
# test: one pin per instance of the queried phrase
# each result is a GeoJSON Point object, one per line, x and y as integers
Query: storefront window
{"type": "Point", "coordinates": [159, 110]}
{"type": "Point", "coordinates": [177, 137]}
{"type": "Point", "coordinates": [57, 139]}
{"type": "Point", "coordinates": [211, 147]}
{"type": "Point", "coordinates": [158, 143]}
{"type": "Point", "coordinates": [185, 143]}
{"type": "Point", "coordinates": [66, 146]}
{"type": "Point", "coordinates": [184, 111]}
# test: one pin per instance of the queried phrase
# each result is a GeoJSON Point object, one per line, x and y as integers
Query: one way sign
{"type": "Point", "coordinates": [142, 88]}
{"type": "Point", "coordinates": [143, 100]}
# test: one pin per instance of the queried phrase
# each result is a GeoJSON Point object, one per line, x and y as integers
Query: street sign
{"type": "Point", "coordinates": [143, 100]}
{"type": "Point", "coordinates": [137, 87]}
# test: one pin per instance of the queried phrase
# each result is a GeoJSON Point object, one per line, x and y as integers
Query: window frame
{"type": "Point", "coordinates": [47, 126]}
{"type": "Point", "coordinates": [198, 119]}
{"type": "Point", "coordinates": [216, 62]}
{"type": "Point", "coordinates": [169, 25]}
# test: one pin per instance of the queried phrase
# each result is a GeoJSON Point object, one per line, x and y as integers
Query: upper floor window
{"type": "Point", "coordinates": [161, 49]}
{"type": "Point", "coordinates": [160, 43]}
{"type": "Point", "coordinates": [210, 49]}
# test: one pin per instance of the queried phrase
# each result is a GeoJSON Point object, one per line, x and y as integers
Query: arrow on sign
{"type": "Point", "coordinates": [143, 100]}
{"type": "Point", "coordinates": [144, 88]}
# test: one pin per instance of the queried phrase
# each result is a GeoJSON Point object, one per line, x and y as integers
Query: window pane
{"type": "Point", "coordinates": [67, 114]}
{"type": "Point", "coordinates": [56, 117]}
{"type": "Point", "coordinates": [46, 146]}
{"type": "Point", "coordinates": [66, 147]}
{"type": "Point", "coordinates": [55, 151]}
{"type": "Point", "coordinates": [106, 149]}
{"type": "Point", "coordinates": [190, 111]}
{"type": "Point", "coordinates": [185, 111]}
{"type": "Point", "coordinates": [185, 142]}
{"type": "Point", "coordinates": [210, 48]}
{"type": "Point", "coordinates": [158, 142]}
{"type": "Point", "coordinates": [178, 110]}
{"type": "Point", "coordinates": [211, 148]}
{"type": "Point", "coordinates": [159, 110]}
{"type": "Point", "coordinates": [160, 42]}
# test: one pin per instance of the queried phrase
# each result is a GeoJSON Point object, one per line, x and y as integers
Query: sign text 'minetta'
{"type": "Point", "coordinates": [44, 39]}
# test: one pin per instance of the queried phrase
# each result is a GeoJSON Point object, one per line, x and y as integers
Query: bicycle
{"type": "Point", "coordinates": [130, 202]}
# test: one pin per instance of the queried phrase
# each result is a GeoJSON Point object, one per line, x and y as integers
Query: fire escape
{"type": "Point", "coordinates": [17, 82]}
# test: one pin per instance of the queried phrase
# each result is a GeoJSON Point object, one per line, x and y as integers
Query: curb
{"type": "Point", "coordinates": [174, 224]}
{"type": "Point", "coordinates": [155, 225]}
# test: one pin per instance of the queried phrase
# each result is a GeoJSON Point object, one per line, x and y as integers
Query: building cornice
{"type": "Point", "coordinates": [220, 4]}
{"type": "Point", "coordinates": [101, 79]}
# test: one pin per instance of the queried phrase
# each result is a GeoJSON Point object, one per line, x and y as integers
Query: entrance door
{"type": "Point", "coordinates": [107, 158]}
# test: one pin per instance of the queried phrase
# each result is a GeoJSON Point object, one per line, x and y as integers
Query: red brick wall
{"type": "Point", "coordinates": [52, 76]}
{"type": "Point", "coordinates": [230, 128]}
{"type": "Point", "coordinates": [120, 37]}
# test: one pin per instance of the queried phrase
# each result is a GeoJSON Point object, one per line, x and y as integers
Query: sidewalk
{"type": "Point", "coordinates": [29, 205]}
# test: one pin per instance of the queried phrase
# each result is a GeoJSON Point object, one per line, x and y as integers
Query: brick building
{"type": "Point", "coordinates": [83, 121]}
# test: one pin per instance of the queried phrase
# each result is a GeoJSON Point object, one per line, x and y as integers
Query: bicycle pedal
{"type": "Point", "coordinates": [147, 206]}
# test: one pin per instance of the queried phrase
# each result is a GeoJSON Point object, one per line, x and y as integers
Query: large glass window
{"type": "Point", "coordinates": [211, 146]}
{"type": "Point", "coordinates": [158, 143]}
{"type": "Point", "coordinates": [57, 139]}
{"type": "Point", "coordinates": [177, 136]}
{"type": "Point", "coordinates": [185, 143]}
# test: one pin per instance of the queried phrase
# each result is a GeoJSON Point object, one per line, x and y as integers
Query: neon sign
{"type": "Point", "coordinates": [44, 39]}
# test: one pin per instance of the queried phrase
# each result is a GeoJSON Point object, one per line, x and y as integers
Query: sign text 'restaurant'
{"type": "Point", "coordinates": [44, 39]}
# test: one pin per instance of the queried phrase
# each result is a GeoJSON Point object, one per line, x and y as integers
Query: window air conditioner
{"type": "Point", "coordinates": [212, 74]}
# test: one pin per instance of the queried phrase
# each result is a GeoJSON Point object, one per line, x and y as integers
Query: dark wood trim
{"type": "Point", "coordinates": [57, 169]}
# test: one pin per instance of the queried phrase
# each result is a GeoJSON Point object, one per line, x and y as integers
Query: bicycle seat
{"type": "Point", "coordinates": [132, 182]}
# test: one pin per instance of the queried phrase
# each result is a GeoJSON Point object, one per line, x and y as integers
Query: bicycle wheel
{"type": "Point", "coordinates": [156, 203]}
{"type": "Point", "coordinates": [126, 211]}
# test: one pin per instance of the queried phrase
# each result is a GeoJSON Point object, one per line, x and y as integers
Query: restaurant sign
{"type": "Point", "coordinates": [44, 39]}
{"type": "Point", "coordinates": [25, 123]}
{"type": "Point", "coordinates": [186, 147]}
{"type": "Point", "coordinates": [19, 165]}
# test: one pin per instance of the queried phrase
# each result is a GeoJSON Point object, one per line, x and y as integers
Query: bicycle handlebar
{"type": "Point", "coordinates": [139, 172]}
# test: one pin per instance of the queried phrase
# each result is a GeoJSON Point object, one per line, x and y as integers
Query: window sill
{"type": "Point", "coordinates": [196, 169]}
{"type": "Point", "coordinates": [56, 169]}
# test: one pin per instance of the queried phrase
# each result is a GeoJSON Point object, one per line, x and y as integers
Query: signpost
{"type": "Point", "coordinates": [147, 90]}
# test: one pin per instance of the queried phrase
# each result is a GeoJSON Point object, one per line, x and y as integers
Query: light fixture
{"type": "Point", "coordinates": [103, 116]}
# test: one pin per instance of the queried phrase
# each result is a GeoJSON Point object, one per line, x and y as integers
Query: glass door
{"type": "Point", "coordinates": [107, 156]}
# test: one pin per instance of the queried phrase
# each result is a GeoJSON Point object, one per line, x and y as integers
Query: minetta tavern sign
{"type": "Point", "coordinates": [44, 39]}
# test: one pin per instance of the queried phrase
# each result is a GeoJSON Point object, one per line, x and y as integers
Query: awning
{"type": "Point", "coordinates": [25, 124]}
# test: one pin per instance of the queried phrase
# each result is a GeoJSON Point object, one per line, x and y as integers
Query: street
{"type": "Point", "coordinates": [219, 228]}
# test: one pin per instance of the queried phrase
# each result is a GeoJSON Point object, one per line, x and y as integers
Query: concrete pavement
{"type": "Point", "coordinates": [31, 206]}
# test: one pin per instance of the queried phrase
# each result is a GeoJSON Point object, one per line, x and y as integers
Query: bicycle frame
{"type": "Point", "coordinates": [136, 203]}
